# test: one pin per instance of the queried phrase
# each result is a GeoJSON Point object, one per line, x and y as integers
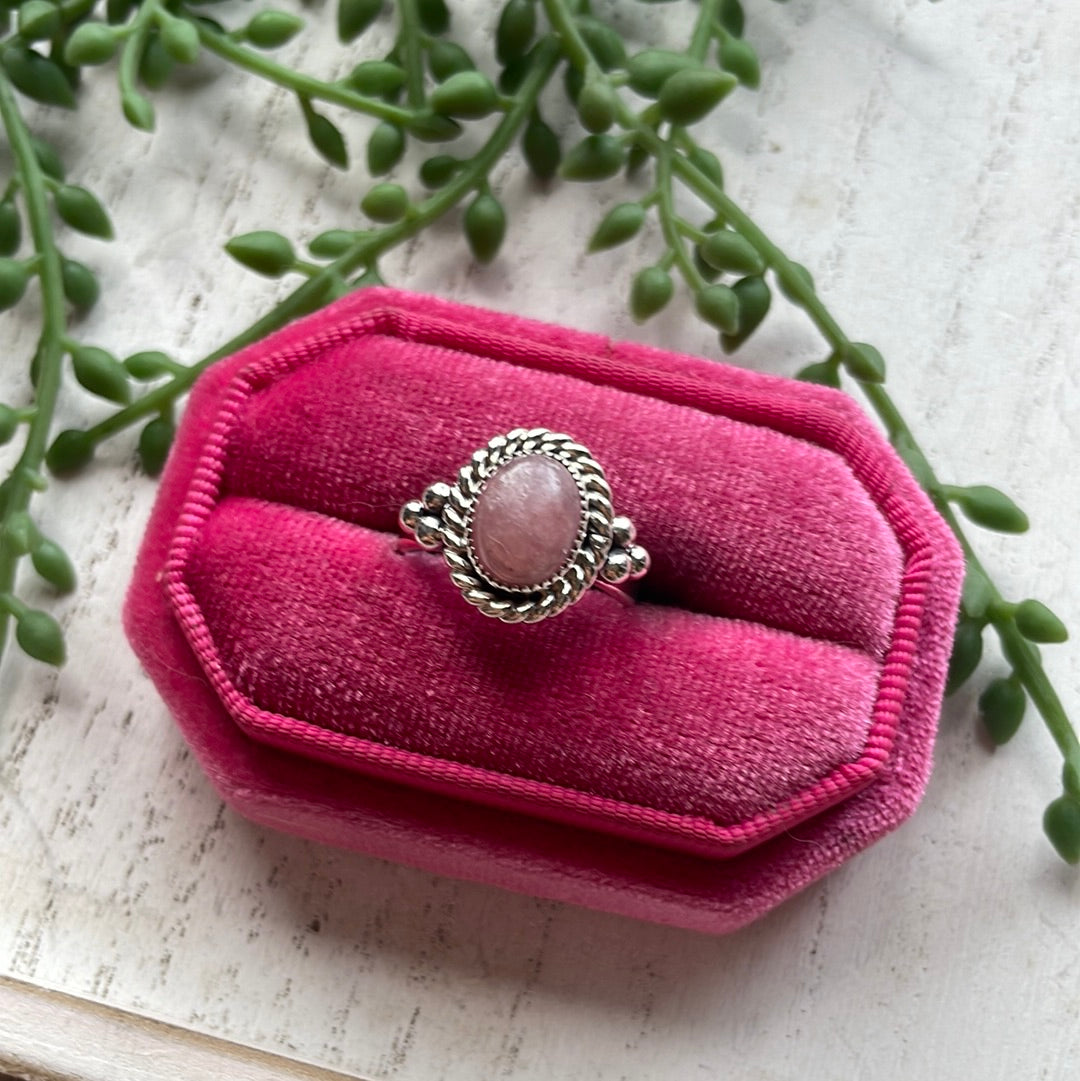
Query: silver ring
{"type": "Point", "coordinates": [527, 527]}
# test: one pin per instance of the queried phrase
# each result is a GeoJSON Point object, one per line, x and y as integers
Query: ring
{"type": "Point", "coordinates": [527, 527]}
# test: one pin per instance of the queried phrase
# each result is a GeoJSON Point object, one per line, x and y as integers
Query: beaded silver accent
{"type": "Point", "coordinates": [605, 546]}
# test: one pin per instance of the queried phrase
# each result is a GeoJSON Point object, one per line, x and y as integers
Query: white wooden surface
{"type": "Point", "coordinates": [50, 1035]}
{"type": "Point", "coordinates": [922, 159]}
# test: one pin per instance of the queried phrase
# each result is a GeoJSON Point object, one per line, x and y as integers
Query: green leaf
{"type": "Point", "coordinates": [37, 77]}
{"type": "Point", "coordinates": [825, 373]}
{"type": "Point", "coordinates": [385, 148]}
{"type": "Point", "coordinates": [438, 171]}
{"type": "Point", "coordinates": [596, 157]}
{"type": "Point", "coordinates": [91, 43]}
{"type": "Point", "coordinates": [719, 306]}
{"type": "Point", "coordinates": [446, 58]}
{"type": "Point", "coordinates": [263, 251]}
{"type": "Point", "coordinates": [52, 563]}
{"type": "Point", "coordinates": [1061, 823]}
{"type": "Point", "coordinates": [573, 81]}
{"type": "Point", "coordinates": [541, 148]}
{"type": "Point", "coordinates": [515, 31]}
{"type": "Point", "coordinates": [154, 442]}
{"type": "Point", "coordinates": [325, 137]}
{"type": "Point", "coordinates": [376, 78]}
{"type": "Point", "coordinates": [20, 533]}
{"type": "Point", "coordinates": [272, 29]}
{"type": "Point", "coordinates": [80, 284]}
{"type": "Point", "coordinates": [431, 127]}
{"type": "Point", "coordinates": [731, 17]}
{"type": "Point", "coordinates": [966, 654]}
{"type": "Point", "coordinates": [989, 508]}
{"type": "Point", "coordinates": [9, 423]}
{"type": "Point", "coordinates": [137, 109]}
{"type": "Point", "coordinates": [1002, 707]}
{"type": "Point", "coordinates": [149, 365]}
{"type": "Point", "coordinates": [708, 273]}
{"type": "Point", "coordinates": [40, 637]}
{"type": "Point", "coordinates": [690, 95]}
{"type": "Point", "coordinates": [38, 20]}
{"type": "Point", "coordinates": [619, 224]}
{"type": "Point", "coordinates": [1038, 624]}
{"type": "Point", "coordinates": [10, 228]}
{"type": "Point", "coordinates": [739, 57]}
{"type": "Point", "coordinates": [513, 75]}
{"type": "Point", "coordinates": [332, 243]}
{"type": "Point", "coordinates": [863, 362]}
{"type": "Point", "coordinates": [385, 203]}
{"type": "Point", "coordinates": [755, 298]}
{"type": "Point", "coordinates": [82, 211]}
{"type": "Point", "coordinates": [977, 595]}
{"type": "Point", "coordinates": [70, 450]}
{"type": "Point", "coordinates": [792, 278]}
{"type": "Point", "coordinates": [650, 291]}
{"type": "Point", "coordinates": [117, 11]}
{"type": "Point", "coordinates": [636, 158]}
{"type": "Point", "coordinates": [180, 38]}
{"type": "Point", "coordinates": [101, 373]}
{"type": "Point", "coordinates": [727, 250]}
{"type": "Point", "coordinates": [596, 105]}
{"type": "Point", "coordinates": [468, 95]}
{"type": "Point", "coordinates": [47, 158]}
{"type": "Point", "coordinates": [708, 163]}
{"type": "Point", "coordinates": [355, 16]}
{"type": "Point", "coordinates": [156, 63]}
{"type": "Point", "coordinates": [605, 44]}
{"type": "Point", "coordinates": [650, 69]}
{"type": "Point", "coordinates": [434, 15]}
{"type": "Point", "coordinates": [485, 227]}
{"type": "Point", "coordinates": [13, 279]}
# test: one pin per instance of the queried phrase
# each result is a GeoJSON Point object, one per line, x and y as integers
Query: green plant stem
{"type": "Point", "coordinates": [411, 37]}
{"type": "Point", "coordinates": [1020, 654]}
{"type": "Point", "coordinates": [23, 480]}
{"type": "Point", "coordinates": [704, 29]}
{"type": "Point", "coordinates": [133, 48]}
{"type": "Point", "coordinates": [364, 252]}
{"type": "Point", "coordinates": [1025, 661]}
{"type": "Point", "coordinates": [305, 85]}
{"type": "Point", "coordinates": [10, 605]}
{"type": "Point", "coordinates": [299, 302]}
{"type": "Point", "coordinates": [561, 17]}
{"type": "Point", "coordinates": [669, 223]}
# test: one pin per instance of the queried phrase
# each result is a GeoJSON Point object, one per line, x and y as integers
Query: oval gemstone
{"type": "Point", "coordinates": [526, 521]}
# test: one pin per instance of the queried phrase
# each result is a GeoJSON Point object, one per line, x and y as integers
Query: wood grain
{"type": "Point", "coordinates": [53, 1037]}
{"type": "Point", "coordinates": [922, 160]}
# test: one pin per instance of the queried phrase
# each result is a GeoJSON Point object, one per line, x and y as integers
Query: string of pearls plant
{"type": "Point", "coordinates": [636, 111]}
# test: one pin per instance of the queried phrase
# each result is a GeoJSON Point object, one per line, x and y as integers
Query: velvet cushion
{"type": "Point", "coordinates": [802, 591]}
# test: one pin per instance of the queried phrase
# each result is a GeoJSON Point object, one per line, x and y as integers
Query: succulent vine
{"type": "Point", "coordinates": [637, 110]}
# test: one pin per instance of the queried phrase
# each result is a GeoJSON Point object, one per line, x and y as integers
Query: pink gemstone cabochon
{"type": "Point", "coordinates": [526, 521]}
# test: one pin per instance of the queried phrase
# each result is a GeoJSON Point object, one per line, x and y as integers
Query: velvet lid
{"type": "Point", "coordinates": [778, 678]}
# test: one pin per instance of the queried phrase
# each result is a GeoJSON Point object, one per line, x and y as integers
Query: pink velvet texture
{"type": "Point", "coordinates": [777, 682]}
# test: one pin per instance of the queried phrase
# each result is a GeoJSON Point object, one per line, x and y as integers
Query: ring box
{"type": "Point", "coordinates": [764, 711]}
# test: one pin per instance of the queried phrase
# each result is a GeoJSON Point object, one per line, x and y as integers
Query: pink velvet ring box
{"type": "Point", "coordinates": [764, 711]}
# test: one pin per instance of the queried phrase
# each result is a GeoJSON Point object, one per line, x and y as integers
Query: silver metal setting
{"type": "Point", "coordinates": [604, 550]}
